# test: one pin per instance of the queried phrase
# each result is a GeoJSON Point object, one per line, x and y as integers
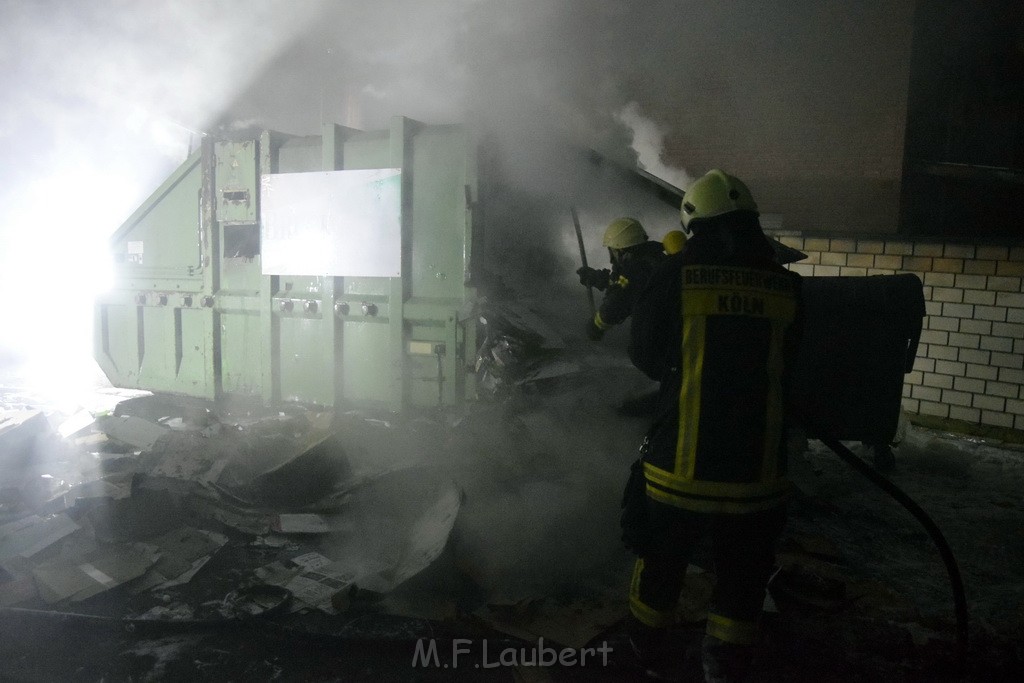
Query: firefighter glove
{"type": "Point", "coordinates": [589, 277]}
{"type": "Point", "coordinates": [594, 333]}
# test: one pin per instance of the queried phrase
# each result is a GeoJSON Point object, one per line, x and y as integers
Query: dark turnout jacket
{"type": "Point", "coordinates": [626, 281]}
{"type": "Point", "coordinates": [717, 326]}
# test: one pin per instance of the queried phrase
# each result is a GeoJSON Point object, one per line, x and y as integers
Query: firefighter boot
{"type": "Point", "coordinates": [659, 656]}
{"type": "Point", "coordinates": [725, 662]}
{"type": "Point", "coordinates": [650, 648]}
{"type": "Point", "coordinates": [647, 642]}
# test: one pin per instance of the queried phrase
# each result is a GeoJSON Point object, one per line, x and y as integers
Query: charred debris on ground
{"type": "Point", "coordinates": [182, 526]}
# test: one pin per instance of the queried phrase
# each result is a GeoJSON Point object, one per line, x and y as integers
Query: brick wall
{"type": "Point", "coordinates": [970, 363]}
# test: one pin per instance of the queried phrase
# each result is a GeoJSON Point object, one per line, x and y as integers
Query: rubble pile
{"type": "Point", "coordinates": [124, 501]}
{"type": "Point", "coordinates": [161, 508]}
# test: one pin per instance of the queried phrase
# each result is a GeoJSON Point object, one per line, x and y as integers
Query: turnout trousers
{"type": "Point", "coordinates": [743, 547]}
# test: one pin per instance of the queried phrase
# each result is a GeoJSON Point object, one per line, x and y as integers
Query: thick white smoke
{"type": "Point", "coordinates": [102, 98]}
{"type": "Point", "coordinates": [649, 144]}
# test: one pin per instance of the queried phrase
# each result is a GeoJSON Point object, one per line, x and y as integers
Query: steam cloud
{"type": "Point", "coordinates": [107, 97]}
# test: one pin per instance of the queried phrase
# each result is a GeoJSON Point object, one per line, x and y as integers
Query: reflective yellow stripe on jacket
{"type": "Point", "coordinates": [729, 314]}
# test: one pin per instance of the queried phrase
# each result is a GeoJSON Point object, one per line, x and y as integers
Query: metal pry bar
{"type": "Point", "coordinates": [583, 256]}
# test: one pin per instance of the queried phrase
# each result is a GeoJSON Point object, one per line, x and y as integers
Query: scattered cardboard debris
{"type": "Point", "coordinates": [175, 612]}
{"type": "Point", "coordinates": [91, 440]}
{"type": "Point", "coordinates": [20, 431]}
{"type": "Point", "coordinates": [134, 431]}
{"type": "Point", "coordinates": [15, 424]}
{"type": "Point", "coordinates": [815, 546]}
{"type": "Point", "coordinates": [17, 590]}
{"type": "Point", "coordinates": [531, 326]}
{"type": "Point", "coordinates": [921, 636]}
{"type": "Point", "coordinates": [23, 539]}
{"type": "Point", "coordinates": [305, 473]}
{"type": "Point", "coordinates": [316, 588]}
{"type": "Point", "coordinates": [183, 552]}
{"type": "Point", "coordinates": [113, 487]}
{"type": "Point", "coordinates": [201, 421]}
{"type": "Point", "coordinates": [247, 521]}
{"type": "Point", "coordinates": [421, 606]}
{"type": "Point", "coordinates": [571, 624]}
{"type": "Point", "coordinates": [399, 524]}
{"type": "Point", "coordinates": [270, 541]}
{"type": "Point", "coordinates": [880, 598]}
{"type": "Point", "coordinates": [300, 524]}
{"type": "Point", "coordinates": [105, 568]}
{"type": "Point", "coordinates": [312, 578]}
{"type": "Point", "coordinates": [805, 584]}
{"type": "Point", "coordinates": [183, 463]}
{"type": "Point", "coordinates": [75, 424]}
{"type": "Point", "coordinates": [145, 513]}
{"type": "Point", "coordinates": [551, 370]}
{"type": "Point", "coordinates": [12, 504]}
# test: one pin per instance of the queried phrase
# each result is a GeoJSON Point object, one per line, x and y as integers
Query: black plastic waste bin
{"type": "Point", "coordinates": [860, 337]}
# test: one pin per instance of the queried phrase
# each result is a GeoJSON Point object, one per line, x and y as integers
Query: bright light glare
{"type": "Point", "coordinates": [54, 263]}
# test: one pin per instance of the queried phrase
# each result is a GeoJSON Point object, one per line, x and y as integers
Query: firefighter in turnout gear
{"type": "Point", "coordinates": [633, 259]}
{"type": "Point", "coordinates": [717, 325]}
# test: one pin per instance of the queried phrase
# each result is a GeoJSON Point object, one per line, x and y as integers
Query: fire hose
{"type": "Point", "coordinates": [956, 583]}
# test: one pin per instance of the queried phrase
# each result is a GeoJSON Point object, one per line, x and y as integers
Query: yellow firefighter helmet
{"type": "Point", "coordinates": [674, 242]}
{"type": "Point", "coordinates": [713, 194]}
{"type": "Point", "coordinates": [623, 233]}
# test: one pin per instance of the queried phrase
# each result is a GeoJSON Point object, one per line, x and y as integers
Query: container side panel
{"type": "Point", "coordinates": [194, 346]}
{"type": "Point", "coordinates": [118, 346]}
{"type": "Point", "coordinates": [305, 363]}
{"type": "Point", "coordinates": [163, 236]}
{"type": "Point", "coordinates": [367, 362]}
{"type": "Point", "coordinates": [300, 287]}
{"type": "Point", "coordinates": [240, 343]}
{"type": "Point", "coordinates": [241, 274]}
{"type": "Point", "coordinates": [438, 222]}
{"type": "Point", "coordinates": [366, 287]}
{"type": "Point", "coordinates": [159, 360]}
